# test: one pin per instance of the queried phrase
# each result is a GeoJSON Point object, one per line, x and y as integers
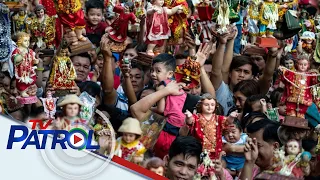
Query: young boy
{"type": "Point", "coordinates": [94, 16]}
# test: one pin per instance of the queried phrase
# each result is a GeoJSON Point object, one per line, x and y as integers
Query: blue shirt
{"type": "Point", "coordinates": [225, 97]}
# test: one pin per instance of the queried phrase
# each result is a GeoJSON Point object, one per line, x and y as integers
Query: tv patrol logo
{"type": "Point", "coordinates": [76, 138]}
{"type": "Point", "coordinates": [67, 162]}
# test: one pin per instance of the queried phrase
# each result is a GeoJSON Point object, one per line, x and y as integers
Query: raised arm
{"type": "Point", "coordinates": [217, 61]}
{"type": "Point", "coordinates": [228, 55]}
{"type": "Point", "coordinates": [110, 93]}
{"type": "Point", "coordinates": [139, 109]}
{"type": "Point", "coordinates": [127, 85]}
{"type": "Point", "coordinates": [266, 78]}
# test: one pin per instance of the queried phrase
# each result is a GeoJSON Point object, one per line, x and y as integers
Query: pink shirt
{"type": "Point", "coordinates": [173, 109]}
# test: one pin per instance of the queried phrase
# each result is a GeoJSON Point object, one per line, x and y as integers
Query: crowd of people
{"type": "Point", "coordinates": [190, 89]}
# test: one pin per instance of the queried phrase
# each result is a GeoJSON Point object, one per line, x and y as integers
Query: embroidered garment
{"type": "Point", "coordinates": [127, 151]}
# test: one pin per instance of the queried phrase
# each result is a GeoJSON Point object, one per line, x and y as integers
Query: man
{"type": "Point", "coordinates": [227, 71]}
{"type": "Point", "coordinates": [183, 158]}
{"type": "Point", "coordinates": [82, 63]}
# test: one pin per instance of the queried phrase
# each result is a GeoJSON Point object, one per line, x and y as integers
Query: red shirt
{"type": "Point", "coordinates": [100, 29]}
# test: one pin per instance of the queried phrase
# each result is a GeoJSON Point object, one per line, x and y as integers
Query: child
{"type": "Point", "coordinates": [162, 72]}
{"type": "Point", "coordinates": [128, 145]}
{"type": "Point", "coordinates": [94, 16]}
{"type": "Point", "coordinates": [233, 135]}
{"type": "Point", "coordinates": [155, 165]}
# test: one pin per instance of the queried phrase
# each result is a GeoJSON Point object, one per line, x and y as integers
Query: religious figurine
{"type": "Point", "coordinates": [71, 16]}
{"type": "Point", "coordinates": [147, 139]}
{"type": "Point", "coordinates": [207, 127]}
{"type": "Point", "coordinates": [5, 34]}
{"type": "Point", "coordinates": [63, 72]}
{"type": "Point", "coordinates": [306, 23]}
{"type": "Point", "coordinates": [71, 106]}
{"type": "Point", "coordinates": [268, 18]}
{"type": "Point", "coordinates": [87, 109]}
{"type": "Point", "coordinates": [205, 11]}
{"type": "Point", "coordinates": [128, 145]}
{"type": "Point", "coordinates": [21, 21]}
{"type": "Point", "coordinates": [24, 60]}
{"type": "Point", "coordinates": [157, 24]}
{"type": "Point", "coordinates": [225, 14]}
{"type": "Point", "coordinates": [189, 73]}
{"type": "Point", "coordinates": [178, 22]}
{"type": "Point", "coordinates": [206, 169]}
{"type": "Point", "coordinates": [297, 95]}
{"type": "Point", "coordinates": [43, 29]}
{"type": "Point", "coordinates": [295, 163]}
{"type": "Point", "coordinates": [49, 104]}
{"type": "Point", "coordinates": [253, 19]}
{"type": "Point", "coordinates": [306, 46]}
{"type": "Point", "coordinates": [118, 29]}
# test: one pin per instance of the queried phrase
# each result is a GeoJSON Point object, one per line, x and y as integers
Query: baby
{"type": "Point", "coordinates": [233, 135]}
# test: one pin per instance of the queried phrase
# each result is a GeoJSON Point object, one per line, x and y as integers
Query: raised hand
{"type": "Point", "coordinates": [174, 88]}
{"type": "Point", "coordinates": [203, 52]}
{"type": "Point", "coordinates": [251, 150]}
{"type": "Point", "coordinates": [105, 46]}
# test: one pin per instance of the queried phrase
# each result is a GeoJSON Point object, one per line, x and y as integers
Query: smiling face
{"type": "Point", "coordinates": [302, 65]}
{"type": "Point", "coordinates": [94, 16]}
{"type": "Point", "coordinates": [181, 167]}
{"type": "Point", "coordinates": [129, 137]}
{"type": "Point", "coordinates": [160, 73]}
{"type": "Point", "coordinates": [208, 106]}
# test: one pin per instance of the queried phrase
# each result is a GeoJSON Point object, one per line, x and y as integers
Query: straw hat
{"type": "Point", "coordinates": [130, 125]}
{"type": "Point", "coordinates": [70, 99]}
{"type": "Point", "coordinates": [308, 35]}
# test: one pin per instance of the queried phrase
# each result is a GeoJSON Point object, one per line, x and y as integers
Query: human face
{"type": "Point", "coordinates": [240, 99]}
{"type": "Point", "coordinates": [241, 73]}
{"type": "Point", "coordinates": [25, 42]}
{"type": "Point", "coordinates": [181, 167]}
{"type": "Point", "coordinates": [45, 76]}
{"type": "Point", "coordinates": [265, 149]}
{"type": "Point", "coordinates": [136, 79]}
{"type": "Point", "coordinates": [292, 147]}
{"type": "Point", "coordinates": [40, 13]}
{"type": "Point", "coordinates": [208, 106]}
{"type": "Point", "coordinates": [289, 64]}
{"type": "Point", "coordinates": [158, 170]}
{"type": "Point", "coordinates": [72, 110]}
{"type": "Point", "coordinates": [129, 137]}
{"type": "Point", "coordinates": [196, 90]}
{"type": "Point", "coordinates": [21, 12]}
{"type": "Point", "coordinates": [130, 54]}
{"type": "Point", "coordinates": [82, 66]}
{"type": "Point", "coordinates": [160, 73]}
{"type": "Point", "coordinates": [13, 89]}
{"type": "Point", "coordinates": [94, 16]}
{"type": "Point", "coordinates": [232, 134]}
{"type": "Point", "coordinates": [99, 62]}
{"type": "Point", "coordinates": [259, 61]}
{"type": "Point", "coordinates": [303, 65]}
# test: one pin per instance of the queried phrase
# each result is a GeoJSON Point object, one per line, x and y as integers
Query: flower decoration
{"type": "Point", "coordinates": [206, 169]}
{"type": "Point", "coordinates": [189, 73]}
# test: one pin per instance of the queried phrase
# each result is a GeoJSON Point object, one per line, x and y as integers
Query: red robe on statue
{"type": "Point", "coordinates": [51, 11]}
{"type": "Point", "coordinates": [209, 132]}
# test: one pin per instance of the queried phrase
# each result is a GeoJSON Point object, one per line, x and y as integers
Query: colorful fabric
{"type": "Point", "coordinates": [5, 34]}
{"type": "Point", "coordinates": [74, 20]}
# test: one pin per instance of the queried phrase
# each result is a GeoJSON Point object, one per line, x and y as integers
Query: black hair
{"type": "Point", "coordinates": [137, 66]}
{"type": "Point", "coordinates": [94, 4]}
{"type": "Point", "coordinates": [168, 60]}
{"type": "Point", "coordinates": [85, 55]}
{"type": "Point", "coordinates": [249, 117]}
{"type": "Point", "coordinates": [250, 101]}
{"type": "Point", "coordinates": [270, 130]}
{"type": "Point", "coordinates": [40, 7]}
{"type": "Point", "coordinates": [187, 146]}
{"type": "Point", "coordinates": [308, 144]}
{"type": "Point", "coordinates": [191, 6]}
{"type": "Point", "coordinates": [247, 87]}
{"type": "Point", "coordinates": [92, 88]}
{"type": "Point", "coordinates": [94, 38]}
{"type": "Point", "coordinates": [239, 61]}
{"type": "Point", "coordinates": [237, 123]}
{"type": "Point", "coordinates": [287, 57]}
{"type": "Point", "coordinates": [275, 96]}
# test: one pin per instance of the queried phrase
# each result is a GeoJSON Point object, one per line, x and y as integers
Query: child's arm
{"type": "Point", "coordinates": [232, 116]}
{"type": "Point", "coordinates": [162, 103]}
{"type": "Point", "coordinates": [173, 10]}
{"type": "Point", "coordinates": [232, 148]}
